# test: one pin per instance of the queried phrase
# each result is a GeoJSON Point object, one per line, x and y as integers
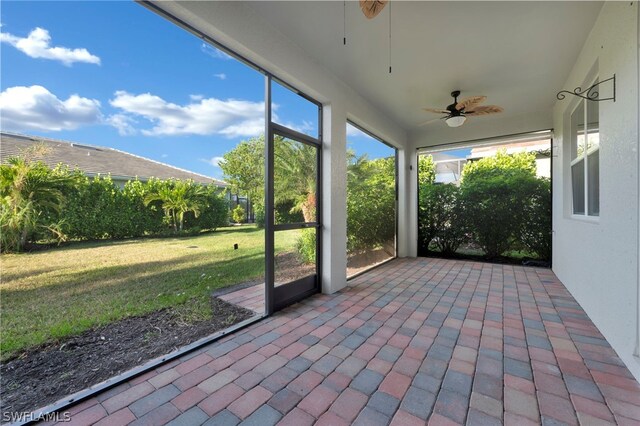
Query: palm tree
{"type": "Point", "coordinates": [295, 176]}
{"type": "Point", "coordinates": [177, 198]}
{"type": "Point", "coordinates": [31, 193]}
{"type": "Point", "coordinates": [358, 169]}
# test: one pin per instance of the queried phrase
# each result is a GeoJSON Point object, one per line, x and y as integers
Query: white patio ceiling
{"type": "Point", "coordinates": [517, 53]}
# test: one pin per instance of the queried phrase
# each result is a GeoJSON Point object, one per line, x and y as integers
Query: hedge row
{"type": "Point", "coordinates": [371, 203]}
{"type": "Point", "coordinates": [97, 208]}
{"type": "Point", "coordinates": [500, 206]}
{"type": "Point", "coordinates": [39, 203]}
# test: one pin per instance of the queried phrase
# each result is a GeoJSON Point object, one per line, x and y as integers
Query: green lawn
{"type": "Point", "coordinates": [63, 291]}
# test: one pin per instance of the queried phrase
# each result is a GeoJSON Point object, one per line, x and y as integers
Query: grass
{"type": "Point", "coordinates": [60, 292]}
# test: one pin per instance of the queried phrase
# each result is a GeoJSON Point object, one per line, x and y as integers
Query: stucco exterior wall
{"type": "Point", "coordinates": [598, 260]}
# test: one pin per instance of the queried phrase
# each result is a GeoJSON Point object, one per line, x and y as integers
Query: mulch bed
{"type": "Point", "coordinates": [359, 262]}
{"type": "Point", "coordinates": [45, 374]}
{"type": "Point", "coordinates": [289, 268]}
{"type": "Point", "coordinates": [480, 258]}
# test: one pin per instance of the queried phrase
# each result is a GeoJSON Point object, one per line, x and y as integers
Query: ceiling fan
{"type": "Point", "coordinates": [458, 111]}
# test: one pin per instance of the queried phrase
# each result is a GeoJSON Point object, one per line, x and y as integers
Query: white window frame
{"type": "Point", "coordinates": [583, 157]}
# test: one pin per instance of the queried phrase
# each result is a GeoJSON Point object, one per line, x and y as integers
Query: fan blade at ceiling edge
{"type": "Point", "coordinates": [471, 101]}
{"type": "Point", "coordinates": [485, 110]}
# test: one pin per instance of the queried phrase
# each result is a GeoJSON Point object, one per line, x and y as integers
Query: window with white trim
{"type": "Point", "coordinates": [585, 158]}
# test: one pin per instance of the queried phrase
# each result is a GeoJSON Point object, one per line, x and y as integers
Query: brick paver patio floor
{"type": "Point", "coordinates": [251, 298]}
{"type": "Point", "coordinates": [415, 341]}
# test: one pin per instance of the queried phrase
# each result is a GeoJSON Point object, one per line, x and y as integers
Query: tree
{"type": "Point", "coordinates": [426, 170]}
{"type": "Point", "coordinates": [243, 169]}
{"type": "Point", "coordinates": [178, 198]}
{"type": "Point", "coordinates": [32, 197]}
{"type": "Point", "coordinates": [294, 174]}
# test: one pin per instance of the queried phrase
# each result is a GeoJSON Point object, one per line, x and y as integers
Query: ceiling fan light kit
{"type": "Point", "coordinates": [455, 121]}
{"type": "Point", "coordinates": [458, 111]}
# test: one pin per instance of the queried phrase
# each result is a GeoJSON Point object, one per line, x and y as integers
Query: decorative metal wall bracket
{"type": "Point", "coordinates": [592, 93]}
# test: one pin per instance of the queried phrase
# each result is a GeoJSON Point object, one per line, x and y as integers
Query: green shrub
{"type": "Point", "coordinates": [143, 219]}
{"type": "Point", "coordinates": [494, 192]}
{"type": "Point", "coordinates": [97, 208]}
{"type": "Point", "coordinates": [501, 205]}
{"type": "Point", "coordinates": [441, 218]}
{"type": "Point", "coordinates": [535, 234]}
{"type": "Point", "coordinates": [306, 245]}
{"type": "Point", "coordinates": [67, 204]}
{"type": "Point", "coordinates": [213, 213]}
{"type": "Point", "coordinates": [258, 210]}
{"type": "Point", "coordinates": [286, 211]}
{"type": "Point", "coordinates": [501, 164]}
{"type": "Point", "coordinates": [426, 170]}
{"type": "Point", "coordinates": [190, 232]}
{"type": "Point", "coordinates": [237, 214]}
{"type": "Point", "coordinates": [371, 203]}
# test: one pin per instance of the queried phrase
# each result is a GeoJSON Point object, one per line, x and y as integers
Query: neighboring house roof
{"type": "Point", "coordinates": [510, 148]}
{"type": "Point", "coordinates": [97, 160]}
{"type": "Point", "coordinates": [441, 156]}
{"type": "Point", "coordinates": [448, 167]}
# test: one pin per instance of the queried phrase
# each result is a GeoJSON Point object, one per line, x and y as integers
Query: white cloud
{"type": "Point", "coordinates": [214, 161]}
{"type": "Point", "coordinates": [38, 45]}
{"type": "Point", "coordinates": [306, 127]}
{"type": "Point", "coordinates": [221, 76]}
{"type": "Point", "coordinates": [123, 123]}
{"type": "Point", "coordinates": [355, 132]}
{"type": "Point", "coordinates": [35, 108]}
{"type": "Point", "coordinates": [164, 155]}
{"type": "Point", "coordinates": [214, 52]}
{"type": "Point", "coordinates": [206, 116]}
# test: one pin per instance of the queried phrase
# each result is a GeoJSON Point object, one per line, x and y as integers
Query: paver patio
{"type": "Point", "coordinates": [251, 297]}
{"type": "Point", "coordinates": [415, 341]}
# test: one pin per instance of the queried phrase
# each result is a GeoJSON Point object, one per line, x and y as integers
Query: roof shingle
{"type": "Point", "coordinates": [94, 160]}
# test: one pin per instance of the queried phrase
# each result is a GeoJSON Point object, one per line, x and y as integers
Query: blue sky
{"type": "Point", "coordinates": [115, 74]}
{"type": "Point", "coordinates": [361, 143]}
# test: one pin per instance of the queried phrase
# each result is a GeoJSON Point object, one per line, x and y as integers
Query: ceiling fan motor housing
{"type": "Point", "coordinates": [452, 108]}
